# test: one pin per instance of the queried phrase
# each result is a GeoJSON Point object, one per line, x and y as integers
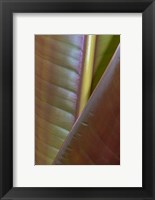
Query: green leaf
{"type": "Point", "coordinates": [105, 48]}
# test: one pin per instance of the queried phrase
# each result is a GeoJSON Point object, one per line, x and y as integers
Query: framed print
{"type": "Point", "coordinates": [48, 111]}
{"type": "Point", "coordinates": [77, 99]}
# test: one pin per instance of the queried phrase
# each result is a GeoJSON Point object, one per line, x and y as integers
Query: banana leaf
{"type": "Point", "coordinates": [58, 72]}
{"type": "Point", "coordinates": [95, 137]}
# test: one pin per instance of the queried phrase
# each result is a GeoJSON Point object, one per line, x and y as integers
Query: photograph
{"type": "Point", "coordinates": [77, 99]}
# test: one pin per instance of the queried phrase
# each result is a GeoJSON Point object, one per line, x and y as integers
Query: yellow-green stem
{"type": "Point", "coordinates": [87, 71]}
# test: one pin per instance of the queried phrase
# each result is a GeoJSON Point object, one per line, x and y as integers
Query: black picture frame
{"type": "Point", "coordinates": [7, 8]}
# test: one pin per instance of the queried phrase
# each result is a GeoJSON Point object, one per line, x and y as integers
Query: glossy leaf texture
{"type": "Point", "coordinates": [106, 45]}
{"type": "Point", "coordinates": [95, 137]}
{"type": "Point", "coordinates": [58, 72]}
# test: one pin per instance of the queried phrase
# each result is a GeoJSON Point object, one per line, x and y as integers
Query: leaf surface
{"type": "Point", "coordinates": [58, 61]}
